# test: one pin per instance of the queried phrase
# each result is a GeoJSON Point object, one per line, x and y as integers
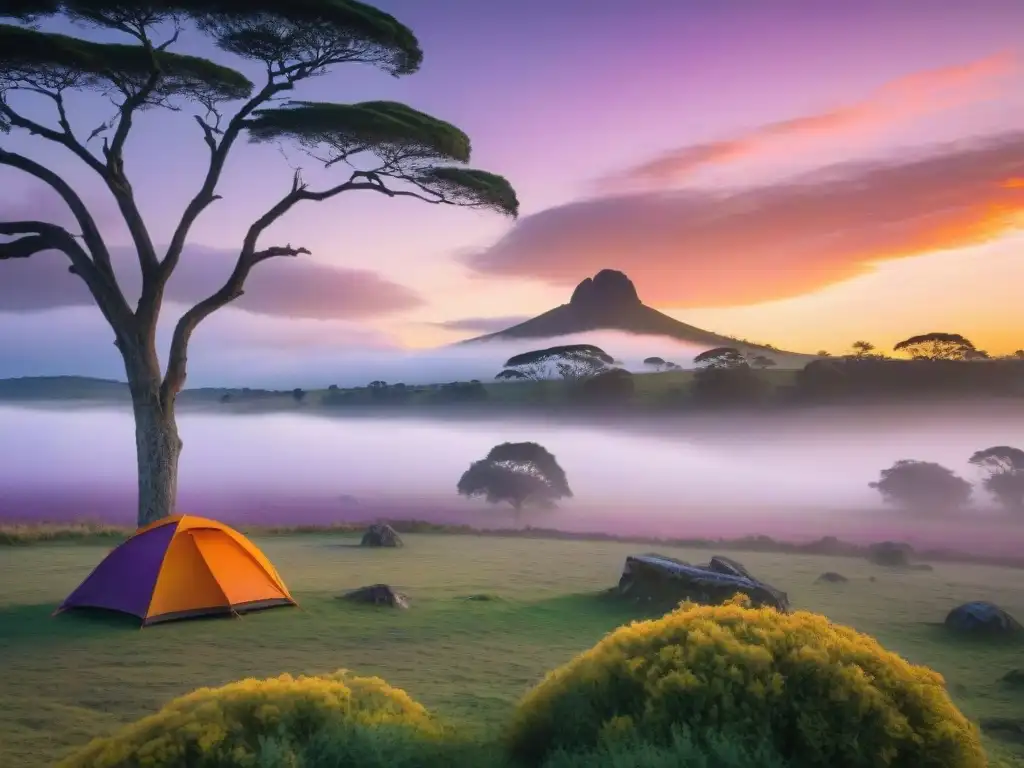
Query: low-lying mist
{"type": "Point", "coordinates": [679, 478]}
{"type": "Point", "coordinates": [237, 349]}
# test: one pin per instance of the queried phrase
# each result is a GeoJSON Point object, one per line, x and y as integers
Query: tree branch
{"type": "Point", "coordinates": [116, 183]}
{"type": "Point", "coordinates": [100, 264]}
{"type": "Point", "coordinates": [40, 236]}
{"type": "Point", "coordinates": [249, 257]}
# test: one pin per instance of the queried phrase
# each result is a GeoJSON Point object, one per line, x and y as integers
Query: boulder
{"type": "Point", "coordinates": [1015, 678]}
{"type": "Point", "coordinates": [728, 566]}
{"type": "Point", "coordinates": [982, 618]}
{"type": "Point", "coordinates": [381, 535]}
{"type": "Point", "coordinates": [377, 594]}
{"type": "Point", "coordinates": [891, 554]}
{"type": "Point", "coordinates": [664, 581]}
{"type": "Point", "coordinates": [831, 577]}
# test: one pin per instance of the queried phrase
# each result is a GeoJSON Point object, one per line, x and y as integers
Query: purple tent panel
{"type": "Point", "coordinates": [125, 580]}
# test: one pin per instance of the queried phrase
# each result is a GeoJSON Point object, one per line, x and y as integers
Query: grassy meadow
{"type": "Point", "coordinates": [68, 678]}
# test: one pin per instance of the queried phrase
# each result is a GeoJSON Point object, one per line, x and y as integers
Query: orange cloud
{"type": "Point", "coordinates": [902, 99]}
{"type": "Point", "coordinates": [702, 249]}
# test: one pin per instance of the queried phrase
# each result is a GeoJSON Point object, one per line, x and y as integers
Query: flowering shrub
{"type": "Point", "coordinates": [820, 694]}
{"type": "Point", "coordinates": [265, 723]}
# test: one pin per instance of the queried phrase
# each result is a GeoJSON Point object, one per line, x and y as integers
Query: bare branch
{"type": "Point", "coordinates": [152, 290]}
{"type": "Point", "coordinates": [40, 236]}
{"type": "Point", "coordinates": [90, 232]}
{"type": "Point", "coordinates": [111, 172]}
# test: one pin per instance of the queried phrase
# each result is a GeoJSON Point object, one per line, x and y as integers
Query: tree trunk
{"type": "Point", "coordinates": [158, 447]}
{"type": "Point", "coordinates": [157, 444]}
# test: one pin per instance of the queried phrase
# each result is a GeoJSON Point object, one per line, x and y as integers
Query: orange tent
{"type": "Point", "coordinates": [181, 567]}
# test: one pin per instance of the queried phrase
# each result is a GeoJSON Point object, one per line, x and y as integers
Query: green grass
{"type": "Point", "coordinates": [69, 678]}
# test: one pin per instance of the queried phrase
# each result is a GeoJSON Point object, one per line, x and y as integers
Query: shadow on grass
{"type": "Point", "coordinates": [939, 633]}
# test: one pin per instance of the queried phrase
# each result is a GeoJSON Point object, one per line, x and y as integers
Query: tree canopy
{"type": "Point", "coordinates": [937, 346]}
{"type": "Point", "coordinates": [721, 357]}
{"type": "Point", "coordinates": [571, 361]}
{"type": "Point", "coordinates": [1003, 466]}
{"type": "Point", "coordinates": [922, 485]}
{"type": "Point", "coordinates": [517, 474]}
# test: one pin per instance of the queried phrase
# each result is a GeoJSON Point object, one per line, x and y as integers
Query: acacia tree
{"type": "Point", "coordinates": [1003, 468]}
{"type": "Point", "coordinates": [938, 346]}
{"type": "Point", "coordinates": [516, 473]}
{"type": "Point", "coordinates": [721, 357]}
{"type": "Point", "coordinates": [922, 485]}
{"type": "Point", "coordinates": [387, 148]}
{"type": "Point", "coordinates": [573, 362]}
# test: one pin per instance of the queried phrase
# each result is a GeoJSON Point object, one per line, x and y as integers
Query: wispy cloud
{"type": "Point", "coordinates": [481, 324]}
{"type": "Point", "coordinates": [897, 101]}
{"type": "Point", "coordinates": [707, 249]}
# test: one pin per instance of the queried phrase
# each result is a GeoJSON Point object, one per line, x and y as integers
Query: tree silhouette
{"type": "Point", "coordinates": [937, 346]}
{"type": "Point", "coordinates": [656, 363]}
{"type": "Point", "coordinates": [922, 485]}
{"type": "Point", "coordinates": [1003, 468]}
{"type": "Point", "coordinates": [762, 362]}
{"type": "Point", "coordinates": [571, 361]}
{"type": "Point", "coordinates": [389, 148]}
{"type": "Point", "coordinates": [721, 357]}
{"type": "Point", "coordinates": [862, 348]}
{"type": "Point", "coordinates": [518, 474]}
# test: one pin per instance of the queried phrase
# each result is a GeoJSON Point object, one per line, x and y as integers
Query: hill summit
{"type": "Point", "coordinates": [609, 301]}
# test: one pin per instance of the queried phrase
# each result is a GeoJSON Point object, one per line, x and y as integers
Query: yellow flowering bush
{"type": "Point", "coordinates": [260, 723]}
{"type": "Point", "coordinates": [817, 693]}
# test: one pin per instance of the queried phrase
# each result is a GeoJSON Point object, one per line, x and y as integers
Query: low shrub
{"type": "Point", "coordinates": [284, 722]}
{"type": "Point", "coordinates": [818, 693]}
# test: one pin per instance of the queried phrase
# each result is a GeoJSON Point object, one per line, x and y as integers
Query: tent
{"type": "Point", "coordinates": [181, 567]}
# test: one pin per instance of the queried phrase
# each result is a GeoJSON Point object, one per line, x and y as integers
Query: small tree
{"type": "Point", "coordinates": [922, 485]}
{"type": "Point", "coordinates": [721, 357]}
{"type": "Point", "coordinates": [862, 348]}
{"type": "Point", "coordinates": [390, 149]}
{"type": "Point", "coordinates": [518, 474]}
{"type": "Point", "coordinates": [762, 362]}
{"type": "Point", "coordinates": [937, 346]}
{"type": "Point", "coordinates": [1003, 470]}
{"type": "Point", "coordinates": [298, 394]}
{"type": "Point", "coordinates": [656, 363]}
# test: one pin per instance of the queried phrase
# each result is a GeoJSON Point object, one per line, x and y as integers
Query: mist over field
{"type": "Point", "coordinates": [239, 349]}
{"type": "Point", "coordinates": [797, 477]}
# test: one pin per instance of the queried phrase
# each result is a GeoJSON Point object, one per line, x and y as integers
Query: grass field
{"type": "Point", "coordinates": [69, 678]}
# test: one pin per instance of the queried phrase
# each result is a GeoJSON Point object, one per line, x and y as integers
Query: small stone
{"type": "Point", "coordinates": [377, 594]}
{"type": "Point", "coordinates": [831, 577]}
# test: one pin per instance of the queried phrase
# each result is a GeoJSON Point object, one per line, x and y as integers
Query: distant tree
{"type": "Point", "coordinates": [378, 385]}
{"type": "Point", "coordinates": [1003, 469]}
{"type": "Point", "coordinates": [518, 474]}
{"type": "Point", "coordinates": [727, 385]}
{"type": "Point", "coordinates": [823, 353]}
{"type": "Point", "coordinates": [387, 148]}
{"type": "Point", "coordinates": [936, 346]}
{"type": "Point", "coordinates": [1017, 354]}
{"type": "Point", "coordinates": [656, 363]}
{"type": "Point", "coordinates": [670, 366]}
{"type": "Point", "coordinates": [862, 348]}
{"type": "Point", "coordinates": [922, 485]}
{"type": "Point", "coordinates": [332, 388]}
{"type": "Point", "coordinates": [612, 385]}
{"type": "Point", "coordinates": [459, 392]}
{"type": "Point", "coordinates": [569, 361]}
{"type": "Point", "coordinates": [721, 357]}
{"type": "Point", "coordinates": [298, 394]}
{"type": "Point", "coordinates": [762, 362]}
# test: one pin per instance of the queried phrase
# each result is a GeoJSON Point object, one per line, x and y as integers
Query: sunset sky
{"type": "Point", "coordinates": [797, 172]}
